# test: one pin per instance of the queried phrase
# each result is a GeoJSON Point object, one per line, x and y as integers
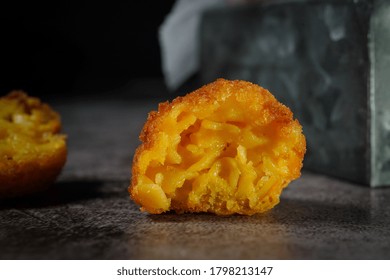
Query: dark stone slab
{"type": "Point", "coordinates": [328, 61]}
{"type": "Point", "coordinates": [318, 218]}
{"type": "Point", "coordinates": [102, 135]}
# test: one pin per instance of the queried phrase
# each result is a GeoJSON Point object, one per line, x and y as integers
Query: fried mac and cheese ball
{"type": "Point", "coordinates": [32, 152]}
{"type": "Point", "coordinates": [228, 147]}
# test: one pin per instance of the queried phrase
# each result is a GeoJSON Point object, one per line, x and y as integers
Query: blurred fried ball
{"type": "Point", "coordinates": [32, 152]}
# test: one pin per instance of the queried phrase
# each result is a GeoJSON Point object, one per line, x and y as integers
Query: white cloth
{"type": "Point", "coordinates": [179, 40]}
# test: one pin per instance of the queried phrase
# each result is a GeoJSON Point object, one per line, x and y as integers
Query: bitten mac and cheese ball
{"type": "Point", "coordinates": [32, 152]}
{"type": "Point", "coordinates": [228, 147]}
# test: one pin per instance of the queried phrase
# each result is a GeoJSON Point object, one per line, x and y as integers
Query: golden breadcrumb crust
{"type": "Point", "coordinates": [32, 152]}
{"type": "Point", "coordinates": [228, 147]}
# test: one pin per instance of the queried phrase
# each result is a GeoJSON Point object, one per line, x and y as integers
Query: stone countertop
{"type": "Point", "coordinates": [87, 214]}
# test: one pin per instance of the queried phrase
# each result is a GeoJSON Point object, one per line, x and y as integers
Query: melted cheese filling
{"type": "Point", "coordinates": [221, 161]}
{"type": "Point", "coordinates": [26, 131]}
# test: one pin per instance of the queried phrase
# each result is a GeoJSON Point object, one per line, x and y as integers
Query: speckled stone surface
{"type": "Point", "coordinates": [87, 214]}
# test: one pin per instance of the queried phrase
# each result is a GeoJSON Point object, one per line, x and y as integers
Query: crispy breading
{"type": "Point", "coordinates": [228, 147]}
{"type": "Point", "coordinates": [32, 152]}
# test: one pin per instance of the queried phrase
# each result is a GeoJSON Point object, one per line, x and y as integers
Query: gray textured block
{"type": "Point", "coordinates": [329, 61]}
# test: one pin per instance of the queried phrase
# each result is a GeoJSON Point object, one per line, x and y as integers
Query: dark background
{"type": "Point", "coordinates": [78, 47]}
